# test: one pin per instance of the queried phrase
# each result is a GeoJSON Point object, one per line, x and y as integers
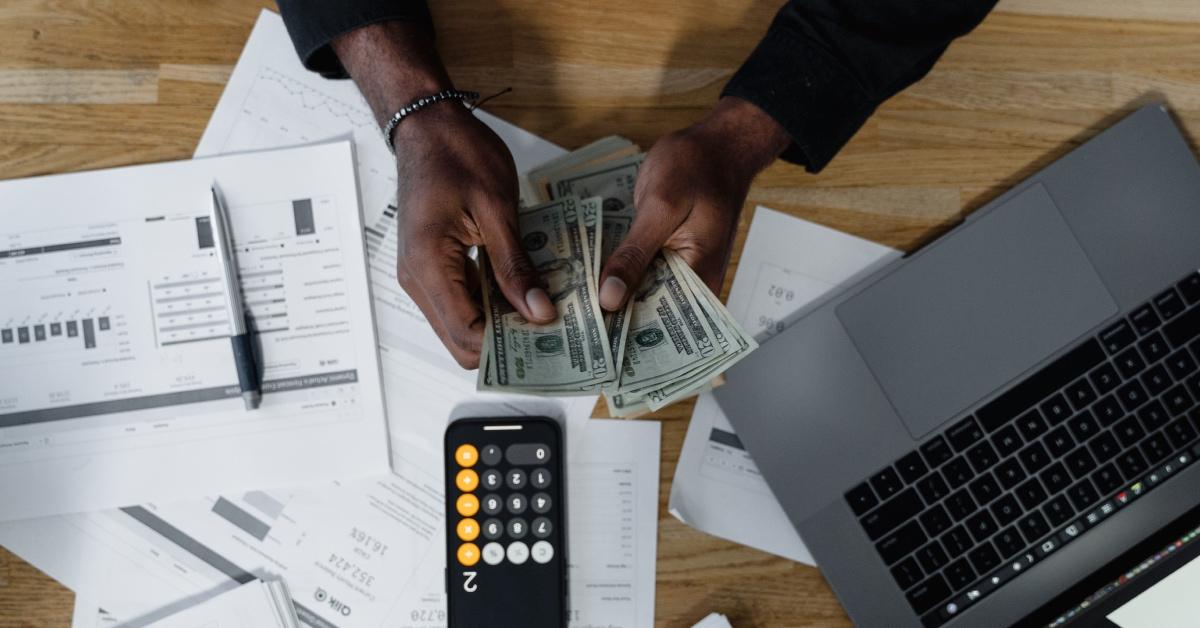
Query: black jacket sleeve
{"type": "Point", "coordinates": [825, 65]}
{"type": "Point", "coordinates": [313, 25]}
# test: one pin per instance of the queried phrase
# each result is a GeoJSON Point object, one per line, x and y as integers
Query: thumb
{"type": "Point", "coordinates": [512, 268]}
{"type": "Point", "coordinates": [623, 271]}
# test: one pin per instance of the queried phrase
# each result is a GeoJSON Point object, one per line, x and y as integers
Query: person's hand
{"type": "Point", "coordinates": [457, 189]}
{"type": "Point", "coordinates": [689, 192]}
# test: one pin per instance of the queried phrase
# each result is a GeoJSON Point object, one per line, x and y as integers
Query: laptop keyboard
{"type": "Point", "coordinates": [1049, 459]}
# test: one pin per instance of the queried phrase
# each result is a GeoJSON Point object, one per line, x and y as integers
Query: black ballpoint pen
{"type": "Point", "coordinates": [243, 349]}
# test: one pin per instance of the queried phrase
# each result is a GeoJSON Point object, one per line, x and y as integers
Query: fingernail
{"type": "Point", "coordinates": [540, 305]}
{"type": "Point", "coordinates": [612, 293]}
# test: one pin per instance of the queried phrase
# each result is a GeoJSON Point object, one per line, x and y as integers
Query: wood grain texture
{"type": "Point", "coordinates": [87, 84]}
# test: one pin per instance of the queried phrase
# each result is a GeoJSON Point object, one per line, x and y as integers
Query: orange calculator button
{"type": "Point", "coordinates": [468, 529]}
{"type": "Point", "coordinates": [466, 455]}
{"type": "Point", "coordinates": [468, 554]}
{"type": "Point", "coordinates": [467, 480]}
{"type": "Point", "coordinates": [468, 505]}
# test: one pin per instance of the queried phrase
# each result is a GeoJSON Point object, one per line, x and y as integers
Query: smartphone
{"type": "Point", "coordinates": [506, 544]}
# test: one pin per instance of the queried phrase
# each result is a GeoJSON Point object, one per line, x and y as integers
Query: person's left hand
{"type": "Point", "coordinates": [689, 193]}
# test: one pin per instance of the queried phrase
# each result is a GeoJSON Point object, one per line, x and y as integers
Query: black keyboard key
{"type": "Point", "coordinates": [1180, 433]}
{"type": "Point", "coordinates": [1129, 432]}
{"type": "Point", "coordinates": [1153, 416]}
{"type": "Point", "coordinates": [911, 467]}
{"type": "Point", "coordinates": [936, 452]}
{"type": "Point", "coordinates": [1083, 426]}
{"type": "Point", "coordinates": [1178, 400]}
{"type": "Point", "coordinates": [907, 573]}
{"type": "Point", "coordinates": [886, 483]}
{"type": "Point", "coordinates": [1132, 395]}
{"type": "Point", "coordinates": [1006, 441]}
{"type": "Point", "coordinates": [1059, 442]}
{"type": "Point", "coordinates": [892, 513]}
{"type": "Point", "coordinates": [1130, 363]}
{"type": "Point", "coordinates": [1145, 320]}
{"type": "Point", "coordinates": [1193, 386]}
{"type": "Point", "coordinates": [1082, 494]}
{"type": "Point", "coordinates": [984, 489]}
{"type": "Point", "coordinates": [957, 541]}
{"type": "Point", "coordinates": [928, 593]}
{"type": "Point", "coordinates": [1008, 542]}
{"type": "Point", "coordinates": [960, 504]}
{"type": "Point", "coordinates": [1105, 378]}
{"type": "Point", "coordinates": [1118, 336]}
{"type": "Point", "coordinates": [957, 472]}
{"type": "Point", "coordinates": [1034, 526]}
{"type": "Point", "coordinates": [1006, 510]}
{"type": "Point", "coordinates": [901, 543]}
{"type": "Point", "coordinates": [935, 520]}
{"type": "Point", "coordinates": [1105, 446]}
{"type": "Point", "coordinates": [984, 558]}
{"type": "Point", "coordinates": [1080, 462]}
{"type": "Point", "coordinates": [981, 525]}
{"type": "Point", "coordinates": [1108, 410]}
{"type": "Point", "coordinates": [982, 456]}
{"type": "Point", "coordinates": [1154, 347]}
{"type": "Point", "coordinates": [1034, 457]}
{"type": "Point", "coordinates": [932, 557]}
{"type": "Point", "coordinates": [1132, 463]}
{"type": "Point", "coordinates": [1053, 377]}
{"type": "Point", "coordinates": [1055, 478]}
{"type": "Point", "coordinates": [960, 574]}
{"type": "Point", "coordinates": [1058, 511]}
{"type": "Point", "coordinates": [1081, 394]}
{"type": "Point", "coordinates": [1180, 331]}
{"type": "Point", "coordinates": [1056, 409]}
{"type": "Point", "coordinates": [1181, 364]}
{"type": "Point", "coordinates": [1009, 473]}
{"type": "Point", "coordinates": [1031, 494]}
{"type": "Point", "coordinates": [1190, 288]}
{"type": "Point", "coordinates": [1031, 424]}
{"type": "Point", "coordinates": [1156, 448]}
{"type": "Point", "coordinates": [964, 434]}
{"type": "Point", "coordinates": [932, 488]}
{"type": "Point", "coordinates": [1107, 479]}
{"type": "Point", "coordinates": [1169, 304]}
{"type": "Point", "coordinates": [1157, 380]}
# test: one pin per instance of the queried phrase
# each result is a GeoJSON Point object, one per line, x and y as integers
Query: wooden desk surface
{"type": "Point", "coordinates": [92, 84]}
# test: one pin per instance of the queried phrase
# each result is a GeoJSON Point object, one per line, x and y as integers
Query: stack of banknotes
{"type": "Point", "coordinates": [672, 339]}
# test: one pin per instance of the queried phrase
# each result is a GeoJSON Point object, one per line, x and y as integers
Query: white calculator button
{"type": "Point", "coordinates": [493, 553]}
{"type": "Point", "coordinates": [542, 552]}
{"type": "Point", "coordinates": [518, 552]}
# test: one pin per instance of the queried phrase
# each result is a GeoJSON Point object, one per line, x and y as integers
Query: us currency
{"type": "Point", "coordinates": [570, 355]}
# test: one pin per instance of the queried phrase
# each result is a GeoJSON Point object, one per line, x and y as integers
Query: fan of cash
{"type": "Point", "coordinates": [671, 341]}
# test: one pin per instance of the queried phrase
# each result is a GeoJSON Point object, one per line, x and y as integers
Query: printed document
{"type": "Point", "coordinates": [787, 264]}
{"type": "Point", "coordinates": [256, 604]}
{"type": "Point", "coordinates": [117, 378]}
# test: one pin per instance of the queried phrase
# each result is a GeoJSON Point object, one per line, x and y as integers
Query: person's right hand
{"type": "Point", "coordinates": [458, 189]}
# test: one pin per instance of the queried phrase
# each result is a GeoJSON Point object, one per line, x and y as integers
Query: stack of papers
{"type": "Point", "coordinates": [256, 604]}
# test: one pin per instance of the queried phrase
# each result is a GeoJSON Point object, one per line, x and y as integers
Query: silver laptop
{"type": "Point", "coordinates": [969, 432]}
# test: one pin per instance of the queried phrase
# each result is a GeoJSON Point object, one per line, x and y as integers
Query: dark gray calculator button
{"type": "Point", "coordinates": [492, 529]}
{"type": "Point", "coordinates": [491, 504]}
{"type": "Point", "coordinates": [540, 503]}
{"type": "Point", "coordinates": [527, 453]}
{"type": "Point", "coordinates": [491, 479]}
{"type": "Point", "coordinates": [515, 479]}
{"type": "Point", "coordinates": [539, 478]}
{"type": "Point", "coordinates": [542, 527]}
{"type": "Point", "coordinates": [517, 528]}
{"type": "Point", "coordinates": [517, 504]}
{"type": "Point", "coordinates": [490, 455]}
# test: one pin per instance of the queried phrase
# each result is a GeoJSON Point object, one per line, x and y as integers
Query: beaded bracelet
{"type": "Point", "coordinates": [419, 104]}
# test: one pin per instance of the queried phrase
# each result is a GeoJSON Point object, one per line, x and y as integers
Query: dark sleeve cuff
{"type": "Point", "coordinates": [808, 91]}
{"type": "Point", "coordinates": [314, 24]}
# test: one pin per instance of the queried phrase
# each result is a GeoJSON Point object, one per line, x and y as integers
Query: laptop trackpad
{"type": "Point", "coordinates": [977, 309]}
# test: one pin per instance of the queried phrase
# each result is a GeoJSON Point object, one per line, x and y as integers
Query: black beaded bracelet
{"type": "Point", "coordinates": [419, 104]}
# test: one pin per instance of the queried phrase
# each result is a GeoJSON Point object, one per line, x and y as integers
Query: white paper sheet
{"type": "Point", "coordinates": [256, 604]}
{"type": "Point", "coordinates": [787, 264]}
{"type": "Point", "coordinates": [119, 385]}
{"type": "Point", "coordinates": [714, 620]}
{"type": "Point", "coordinates": [1169, 603]}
